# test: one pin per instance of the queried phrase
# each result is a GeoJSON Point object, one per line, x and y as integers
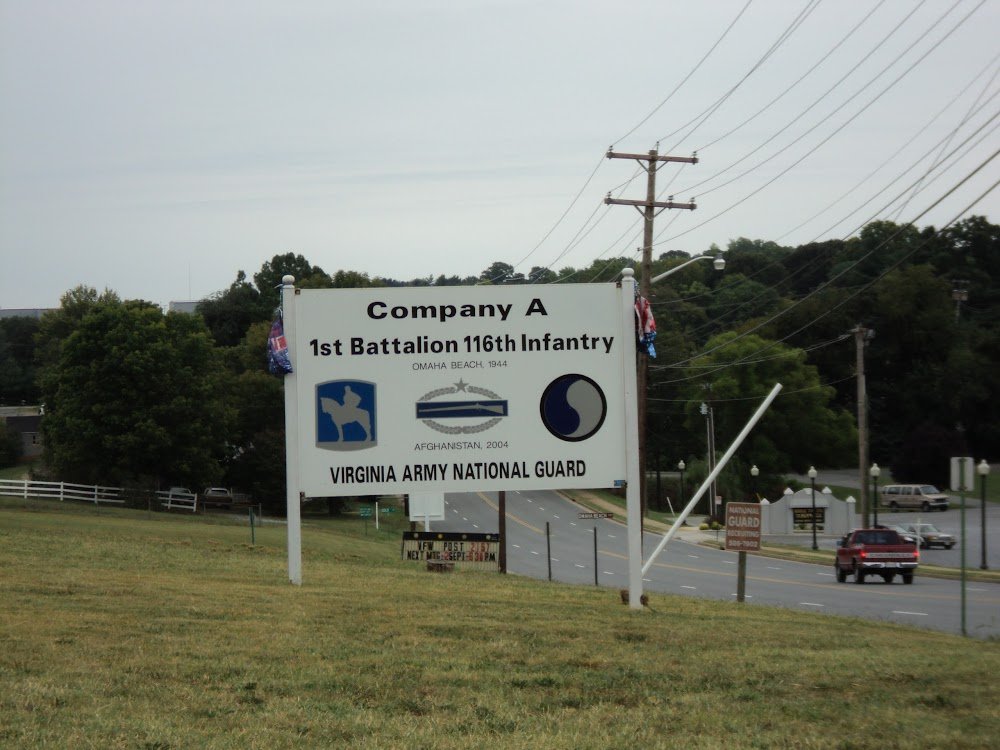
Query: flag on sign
{"type": "Point", "coordinates": [278, 362]}
{"type": "Point", "coordinates": [645, 325]}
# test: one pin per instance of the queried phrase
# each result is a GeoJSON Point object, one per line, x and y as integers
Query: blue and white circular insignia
{"type": "Point", "coordinates": [573, 407]}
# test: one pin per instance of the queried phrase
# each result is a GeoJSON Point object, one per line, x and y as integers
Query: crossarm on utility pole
{"type": "Point", "coordinates": [649, 204]}
{"type": "Point", "coordinates": [657, 157]}
{"type": "Point", "coordinates": [711, 477]}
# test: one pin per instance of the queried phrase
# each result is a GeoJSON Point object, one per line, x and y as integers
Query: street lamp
{"type": "Point", "coordinates": [680, 467]}
{"type": "Point", "coordinates": [875, 473]}
{"type": "Point", "coordinates": [718, 261]}
{"type": "Point", "coordinates": [812, 480]}
{"type": "Point", "coordinates": [754, 471]}
{"type": "Point", "coordinates": [984, 469]}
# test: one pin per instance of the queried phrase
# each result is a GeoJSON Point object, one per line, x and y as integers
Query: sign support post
{"type": "Point", "coordinates": [293, 497]}
{"type": "Point", "coordinates": [743, 522]}
{"type": "Point", "coordinates": [633, 500]}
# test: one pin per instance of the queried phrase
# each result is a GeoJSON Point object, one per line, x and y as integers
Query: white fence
{"type": "Point", "coordinates": [179, 500]}
{"type": "Point", "coordinates": [88, 493]}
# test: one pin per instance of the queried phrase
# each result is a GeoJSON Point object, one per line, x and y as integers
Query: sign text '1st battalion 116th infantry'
{"type": "Point", "coordinates": [511, 387]}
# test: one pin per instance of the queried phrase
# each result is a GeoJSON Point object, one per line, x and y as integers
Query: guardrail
{"type": "Point", "coordinates": [62, 491]}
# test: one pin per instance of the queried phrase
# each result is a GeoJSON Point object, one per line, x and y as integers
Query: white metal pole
{"type": "Point", "coordinates": [711, 477]}
{"type": "Point", "coordinates": [292, 494]}
{"type": "Point", "coordinates": [633, 510]}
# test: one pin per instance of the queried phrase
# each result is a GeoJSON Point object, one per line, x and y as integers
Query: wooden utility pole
{"type": "Point", "coordinates": [648, 208]}
{"type": "Point", "coordinates": [861, 336]}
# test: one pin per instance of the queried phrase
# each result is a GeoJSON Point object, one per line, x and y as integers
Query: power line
{"type": "Point", "coordinates": [853, 265]}
{"type": "Point", "coordinates": [835, 132]}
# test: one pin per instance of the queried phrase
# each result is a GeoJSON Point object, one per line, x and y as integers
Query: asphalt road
{"type": "Point", "coordinates": [543, 529]}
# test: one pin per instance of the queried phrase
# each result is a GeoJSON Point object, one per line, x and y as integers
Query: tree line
{"type": "Point", "coordinates": [137, 397]}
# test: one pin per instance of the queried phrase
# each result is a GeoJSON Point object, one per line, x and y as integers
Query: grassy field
{"type": "Point", "coordinates": [128, 629]}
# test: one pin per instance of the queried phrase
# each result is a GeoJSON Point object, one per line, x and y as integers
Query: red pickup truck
{"type": "Point", "coordinates": [881, 552]}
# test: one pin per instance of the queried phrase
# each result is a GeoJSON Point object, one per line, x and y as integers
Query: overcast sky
{"type": "Point", "coordinates": [158, 147]}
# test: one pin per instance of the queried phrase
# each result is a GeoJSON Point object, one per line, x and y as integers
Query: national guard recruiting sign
{"type": "Point", "coordinates": [458, 388]}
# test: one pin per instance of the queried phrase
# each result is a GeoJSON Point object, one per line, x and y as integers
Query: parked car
{"type": "Point", "coordinates": [929, 535]}
{"type": "Point", "coordinates": [179, 492]}
{"type": "Point", "coordinates": [217, 496]}
{"type": "Point", "coordinates": [925, 497]}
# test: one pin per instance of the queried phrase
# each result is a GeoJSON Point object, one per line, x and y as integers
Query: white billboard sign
{"type": "Point", "coordinates": [457, 389]}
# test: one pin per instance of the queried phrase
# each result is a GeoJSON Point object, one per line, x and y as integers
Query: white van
{"type": "Point", "coordinates": [925, 497]}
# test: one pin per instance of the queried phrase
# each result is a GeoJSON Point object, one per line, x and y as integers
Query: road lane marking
{"type": "Point", "coordinates": [579, 566]}
{"type": "Point", "coordinates": [810, 604]}
{"type": "Point", "coordinates": [533, 552]}
{"type": "Point", "coordinates": [872, 591]}
{"type": "Point", "coordinates": [693, 588]}
{"type": "Point", "coordinates": [915, 614]}
{"type": "Point", "coordinates": [512, 517]}
{"type": "Point", "coordinates": [729, 562]}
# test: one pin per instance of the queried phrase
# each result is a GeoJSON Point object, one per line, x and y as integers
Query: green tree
{"type": "Point", "coordinates": [255, 399]}
{"type": "Point", "coordinates": [56, 325]}
{"type": "Point", "coordinates": [541, 275]}
{"type": "Point", "coordinates": [134, 401]}
{"type": "Point", "coordinates": [501, 273]}
{"type": "Point", "coordinates": [268, 278]}
{"type": "Point", "coordinates": [229, 314]}
{"type": "Point", "coordinates": [799, 429]}
{"type": "Point", "coordinates": [17, 367]}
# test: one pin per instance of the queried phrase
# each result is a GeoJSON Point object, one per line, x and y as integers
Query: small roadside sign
{"type": "Point", "coordinates": [742, 534]}
{"type": "Point", "coordinates": [743, 527]}
{"type": "Point", "coordinates": [594, 515]}
{"type": "Point", "coordinates": [388, 509]}
{"type": "Point", "coordinates": [365, 512]}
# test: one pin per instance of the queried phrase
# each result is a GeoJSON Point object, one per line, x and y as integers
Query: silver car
{"type": "Point", "coordinates": [929, 535]}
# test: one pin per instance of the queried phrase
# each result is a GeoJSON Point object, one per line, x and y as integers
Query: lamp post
{"type": "Point", "coordinates": [875, 473]}
{"type": "Point", "coordinates": [984, 469]}
{"type": "Point", "coordinates": [812, 480]}
{"type": "Point", "coordinates": [754, 471]}
{"type": "Point", "coordinates": [680, 467]}
{"type": "Point", "coordinates": [707, 412]}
